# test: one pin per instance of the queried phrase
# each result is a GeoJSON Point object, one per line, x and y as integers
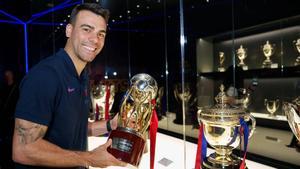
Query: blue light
{"type": "Point", "coordinates": [63, 5]}
{"type": "Point", "coordinates": [26, 47]}
{"type": "Point", "coordinates": [11, 16]}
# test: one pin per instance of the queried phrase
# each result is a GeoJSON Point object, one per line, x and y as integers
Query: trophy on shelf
{"type": "Point", "coordinates": [268, 50]}
{"type": "Point", "coordinates": [297, 44]}
{"type": "Point", "coordinates": [222, 126]}
{"type": "Point", "coordinates": [292, 112]}
{"type": "Point", "coordinates": [102, 98]}
{"type": "Point", "coordinates": [221, 68]}
{"type": "Point", "coordinates": [185, 96]}
{"type": "Point", "coordinates": [272, 106]}
{"type": "Point", "coordinates": [242, 54]}
{"type": "Point", "coordinates": [129, 139]}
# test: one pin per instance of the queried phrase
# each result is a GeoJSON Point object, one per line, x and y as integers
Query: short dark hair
{"type": "Point", "coordinates": [93, 7]}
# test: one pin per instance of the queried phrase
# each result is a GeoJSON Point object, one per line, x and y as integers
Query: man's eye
{"type": "Point", "coordinates": [86, 29]}
{"type": "Point", "coordinates": [101, 35]}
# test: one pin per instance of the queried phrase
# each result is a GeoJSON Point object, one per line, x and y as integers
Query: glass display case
{"type": "Point", "coordinates": [266, 64]}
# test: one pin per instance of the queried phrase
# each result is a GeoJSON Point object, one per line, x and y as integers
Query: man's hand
{"type": "Point", "coordinates": [100, 157]}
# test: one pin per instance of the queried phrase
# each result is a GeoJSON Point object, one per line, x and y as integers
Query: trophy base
{"type": "Point", "coordinates": [221, 69]}
{"type": "Point", "coordinates": [244, 67]}
{"type": "Point", "coordinates": [270, 65]}
{"type": "Point", "coordinates": [211, 163]}
{"type": "Point", "coordinates": [127, 145]}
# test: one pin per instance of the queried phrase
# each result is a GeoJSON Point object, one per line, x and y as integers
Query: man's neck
{"type": "Point", "coordinates": [79, 64]}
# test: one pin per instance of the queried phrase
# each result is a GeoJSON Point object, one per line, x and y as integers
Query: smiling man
{"type": "Point", "coordinates": [52, 112]}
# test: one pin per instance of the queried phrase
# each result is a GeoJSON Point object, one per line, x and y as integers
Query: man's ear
{"type": "Point", "coordinates": [69, 29]}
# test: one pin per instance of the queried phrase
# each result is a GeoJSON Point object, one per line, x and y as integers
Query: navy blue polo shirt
{"type": "Point", "coordinates": [52, 94]}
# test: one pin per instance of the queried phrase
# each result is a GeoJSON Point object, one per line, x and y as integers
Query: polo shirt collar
{"type": "Point", "coordinates": [70, 65]}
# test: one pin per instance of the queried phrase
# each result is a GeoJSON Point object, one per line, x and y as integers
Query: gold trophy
{"type": "Point", "coordinates": [272, 106]}
{"type": "Point", "coordinates": [268, 50]}
{"type": "Point", "coordinates": [129, 139]}
{"type": "Point", "coordinates": [242, 54]}
{"type": "Point", "coordinates": [297, 44]}
{"type": "Point", "coordinates": [221, 125]}
{"type": "Point", "coordinates": [102, 98]}
{"type": "Point", "coordinates": [221, 68]}
{"type": "Point", "coordinates": [292, 112]}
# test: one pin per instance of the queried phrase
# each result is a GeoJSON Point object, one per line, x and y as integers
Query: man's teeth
{"type": "Point", "coordinates": [90, 49]}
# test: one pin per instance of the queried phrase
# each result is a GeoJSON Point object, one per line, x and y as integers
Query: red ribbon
{"type": "Point", "coordinates": [107, 102]}
{"type": "Point", "coordinates": [97, 112]}
{"type": "Point", "coordinates": [153, 131]}
{"type": "Point", "coordinates": [199, 148]}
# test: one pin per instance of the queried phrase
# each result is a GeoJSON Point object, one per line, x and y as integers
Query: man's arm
{"type": "Point", "coordinates": [100, 127]}
{"type": "Point", "coordinates": [30, 148]}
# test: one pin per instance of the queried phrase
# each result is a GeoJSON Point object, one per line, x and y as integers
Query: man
{"type": "Point", "coordinates": [52, 113]}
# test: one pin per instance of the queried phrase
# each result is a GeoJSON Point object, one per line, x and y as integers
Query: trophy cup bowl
{"type": "Point", "coordinates": [268, 50]}
{"type": "Point", "coordinates": [99, 100]}
{"type": "Point", "coordinates": [292, 112]}
{"type": "Point", "coordinates": [241, 53]}
{"type": "Point", "coordinates": [272, 106]}
{"type": "Point", "coordinates": [297, 44]}
{"type": "Point", "coordinates": [221, 123]}
{"type": "Point", "coordinates": [129, 139]}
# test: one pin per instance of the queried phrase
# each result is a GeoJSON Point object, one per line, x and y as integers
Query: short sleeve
{"type": "Point", "coordinates": [37, 96]}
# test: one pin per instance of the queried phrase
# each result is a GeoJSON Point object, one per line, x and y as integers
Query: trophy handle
{"type": "Point", "coordinates": [277, 104]}
{"type": "Point", "coordinates": [266, 102]}
{"type": "Point", "coordinates": [253, 126]}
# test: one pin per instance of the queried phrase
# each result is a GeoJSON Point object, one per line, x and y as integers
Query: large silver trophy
{"type": "Point", "coordinates": [272, 106]}
{"type": "Point", "coordinates": [297, 44]}
{"type": "Point", "coordinates": [221, 125]}
{"type": "Point", "coordinates": [242, 54]}
{"type": "Point", "coordinates": [268, 51]}
{"type": "Point", "coordinates": [129, 139]}
{"type": "Point", "coordinates": [102, 98]}
{"type": "Point", "coordinates": [292, 112]}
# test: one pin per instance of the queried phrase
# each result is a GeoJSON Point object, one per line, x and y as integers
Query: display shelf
{"type": "Point", "coordinates": [284, 72]}
{"type": "Point", "coordinates": [268, 117]}
{"type": "Point", "coordinates": [169, 154]}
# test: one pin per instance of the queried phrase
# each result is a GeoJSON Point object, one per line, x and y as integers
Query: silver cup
{"type": "Point", "coordinates": [241, 54]}
{"type": "Point", "coordinates": [292, 112]}
{"type": "Point", "coordinates": [220, 125]}
{"type": "Point", "coordinates": [268, 51]}
{"type": "Point", "coordinates": [272, 106]}
{"type": "Point", "coordinates": [221, 68]}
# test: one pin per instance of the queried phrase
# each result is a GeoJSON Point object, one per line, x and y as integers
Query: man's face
{"type": "Point", "coordinates": [86, 36]}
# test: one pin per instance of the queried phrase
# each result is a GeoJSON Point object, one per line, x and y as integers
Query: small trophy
{"type": "Point", "coordinates": [292, 112]}
{"type": "Point", "coordinates": [297, 44]}
{"type": "Point", "coordinates": [221, 68]}
{"type": "Point", "coordinates": [129, 139]}
{"type": "Point", "coordinates": [272, 106]}
{"type": "Point", "coordinates": [268, 50]}
{"type": "Point", "coordinates": [102, 98]}
{"type": "Point", "coordinates": [242, 54]}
